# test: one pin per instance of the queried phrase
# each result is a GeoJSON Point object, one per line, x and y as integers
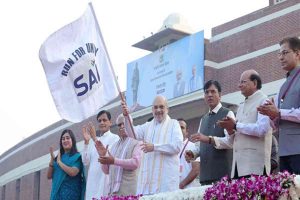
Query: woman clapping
{"type": "Point", "coordinates": [66, 170]}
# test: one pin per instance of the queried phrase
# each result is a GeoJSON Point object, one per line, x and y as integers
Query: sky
{"type": "Point", "coordinates": [26, 105]}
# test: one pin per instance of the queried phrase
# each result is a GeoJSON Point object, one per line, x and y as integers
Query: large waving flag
{"type": "Point", "coordinates": [78, 69]}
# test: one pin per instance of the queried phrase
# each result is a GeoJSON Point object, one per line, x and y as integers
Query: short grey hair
{"type": "Point", "coordinates": [121, 119]}
{"type": "Point", "coordinates": [161, 97]}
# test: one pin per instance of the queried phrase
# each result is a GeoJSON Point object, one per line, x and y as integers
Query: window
{"type": "Point", "coordinates": [278, 1]}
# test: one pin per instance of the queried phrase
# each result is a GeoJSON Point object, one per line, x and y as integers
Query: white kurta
{"type": "Point", "coordinates": [159, 171]}
{"type": "Point", "coordinates": [96, 178]}
{"type": "Point", "coordinates": [186, 167]}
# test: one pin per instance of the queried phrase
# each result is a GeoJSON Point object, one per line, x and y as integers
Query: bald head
{"type": "Point", "coordinates": [249, 72]}
{"type": "Point", "coordinates": [161, 99]}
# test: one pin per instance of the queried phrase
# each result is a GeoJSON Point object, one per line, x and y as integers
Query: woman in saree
{"type": "Point", "coordinates": [66, 170]}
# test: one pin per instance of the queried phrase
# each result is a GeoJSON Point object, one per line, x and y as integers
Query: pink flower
{"type": "Point", "coordinates": [256, 187]}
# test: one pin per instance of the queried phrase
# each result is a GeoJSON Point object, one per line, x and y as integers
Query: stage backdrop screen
{"type": "Point", "coordinates": [172, 71]}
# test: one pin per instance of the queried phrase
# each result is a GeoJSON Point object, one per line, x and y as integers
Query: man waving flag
{"type": "Point", "coordinates": [77, 66]}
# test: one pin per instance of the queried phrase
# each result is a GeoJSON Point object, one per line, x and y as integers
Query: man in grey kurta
{"type": "Point", "coordinates": [285, 109]}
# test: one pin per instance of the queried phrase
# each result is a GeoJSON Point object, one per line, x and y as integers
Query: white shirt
{"type": "Point", "coordinates": [159, 170]}
{"type": "Point", "coordinates": [292, 114]}
{"type": "Point", "coordinates": [96, 179]}
{"type": "Point", "coordinates": [227, 139]}
{"type": "Point", "coordinates": [186, 167]}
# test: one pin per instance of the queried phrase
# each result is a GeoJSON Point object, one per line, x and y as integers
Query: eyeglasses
{"type": "Point", "coordinates": [283, 53]}
{"type": "Point", "coordinates": [243, 81]}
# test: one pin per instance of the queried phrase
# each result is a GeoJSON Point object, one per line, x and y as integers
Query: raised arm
{"type": "Point", "coordinates": [50, 168]}
{"type": "Point", "coordinates": [86, 153]}
{"type": "Point", "coordinates": [138, 130]}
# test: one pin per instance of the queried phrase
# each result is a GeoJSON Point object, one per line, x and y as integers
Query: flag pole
{"type": "Point", "coordinates": [112, 69]}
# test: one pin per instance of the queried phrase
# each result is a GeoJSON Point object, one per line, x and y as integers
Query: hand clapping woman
{"type": "Point", "coordinates": [66, 170]}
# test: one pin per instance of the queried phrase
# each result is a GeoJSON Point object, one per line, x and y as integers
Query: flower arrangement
{"type": "Point", "coordinates": [281, 186]}
{"type": "Point", "coordinates": [130, 197]}
{"type": "Point", "coordinates": [193, 193]}
{"type": "Point", "coordinates": [271, 187]}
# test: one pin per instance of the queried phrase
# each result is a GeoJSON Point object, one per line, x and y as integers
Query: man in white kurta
{"type": "Point", "coordinates": [188, 171]}
{"type": "Point", "coordinates": [162, 137]}
{"type": "Point", "coordinates": [96, 179]}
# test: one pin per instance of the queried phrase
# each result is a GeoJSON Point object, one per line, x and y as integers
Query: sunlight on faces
{"type": "Point", "coordinates": [66, 141]}
{"type": "Point", "coordinates": [104, 123]}
{"type": "Point", "coordinates": [212, 96]}
{"type": "Point", "coordinates": [247, 86]}
{"type": "Point", "coordinates": [160, 108]}
{"type": "Point", "coordinates": [288, 57]}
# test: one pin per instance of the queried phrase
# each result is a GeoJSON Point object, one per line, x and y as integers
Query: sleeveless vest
{"type": "Point", "coordinates": [215, 163]}
{"type": "Point", "coordinates": [289, 132]}
{"type": "Point", "coordinates": [129, 177]}
{"type": "Point", "coordinates": [251, 154]}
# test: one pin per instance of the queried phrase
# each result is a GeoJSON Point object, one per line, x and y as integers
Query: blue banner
{"type": "Point", "coordinates": [172, 71]}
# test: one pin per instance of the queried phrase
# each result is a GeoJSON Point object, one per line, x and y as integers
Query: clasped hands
{"type": "Point", "coordinates": [269, 108]}
{"type": "Point", "coordinates": [52, 156]}
{"type": "Point", "coordinates": [105, 156]}
{"type": "Point", "coordinates": [227, 123]}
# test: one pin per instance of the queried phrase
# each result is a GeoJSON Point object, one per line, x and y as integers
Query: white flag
{"type": "Point", "coordinates": [77, 68]}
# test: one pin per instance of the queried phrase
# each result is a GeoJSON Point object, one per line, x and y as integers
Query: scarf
{"type": "Point", "coordinates": [115, 172]}
{"type": "Point", "coordinates": [59, 175]}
